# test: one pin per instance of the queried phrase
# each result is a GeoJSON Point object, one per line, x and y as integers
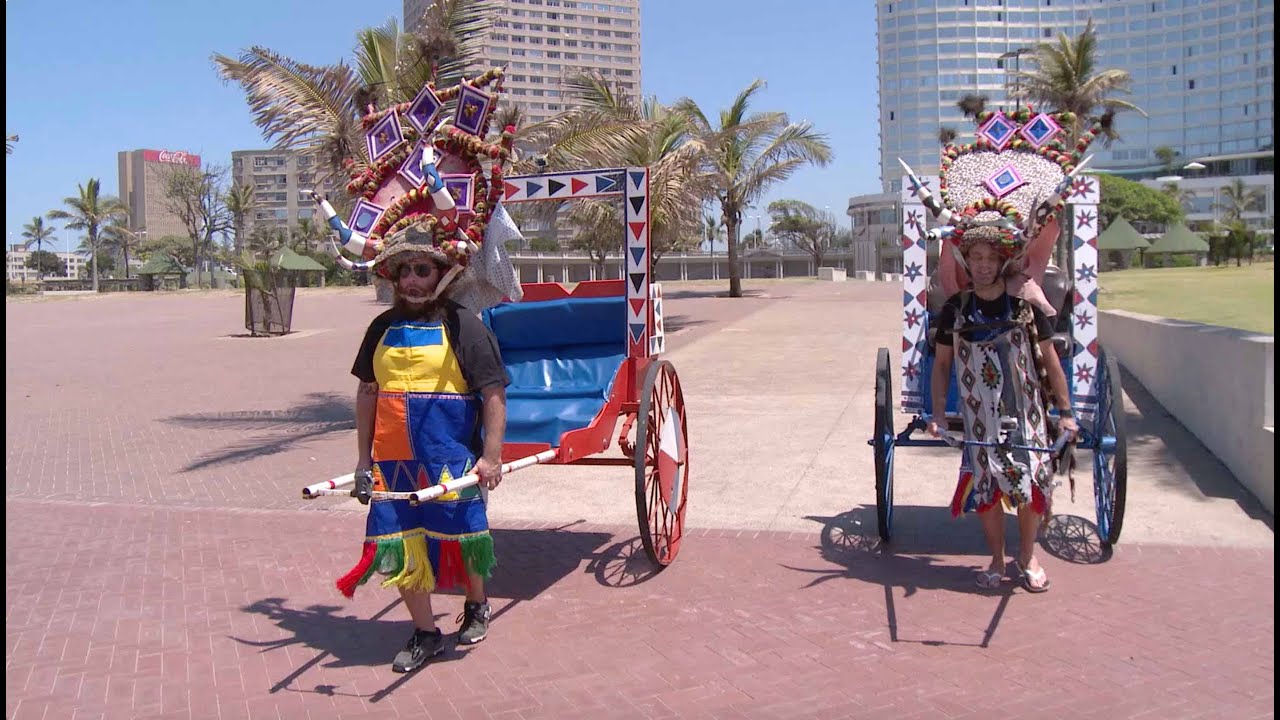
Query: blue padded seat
{"type": "Point", "coordinates": [562, 356]}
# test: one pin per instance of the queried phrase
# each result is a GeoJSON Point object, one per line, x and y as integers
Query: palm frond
{"type": "Point", "coordinates": [301, 107]}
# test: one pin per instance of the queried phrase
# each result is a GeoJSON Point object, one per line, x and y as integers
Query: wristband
{"type": "Point", "coordinates": [1067, 413]}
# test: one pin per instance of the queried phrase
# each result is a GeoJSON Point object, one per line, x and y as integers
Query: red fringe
{"type": "Point", "coordinates": [347, 583]}
{"type": "Point", "coordinates": [452, 571]}
{"type": "Point", "coordinates": [1039, 504]}
{"type": "Point", "coordinates": [957, 500]}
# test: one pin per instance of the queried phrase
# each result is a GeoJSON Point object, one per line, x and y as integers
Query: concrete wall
{"type": "Point", "coordinates": [1218, 382]}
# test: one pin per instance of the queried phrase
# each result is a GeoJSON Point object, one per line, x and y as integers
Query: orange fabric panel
{"type": "Point", "coordinates": [391, 429]}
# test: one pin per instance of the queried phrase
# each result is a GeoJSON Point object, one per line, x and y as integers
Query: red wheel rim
{"type": "Point", "coordinates": [666, 467]}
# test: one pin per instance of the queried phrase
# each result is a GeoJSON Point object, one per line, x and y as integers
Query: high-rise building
{"type": "Point", "coordinates": [543, 42]}
{"type": "Point", "coordinates": [1203, 71]}
{"type": "Point", "coordinates": [142, 178]}
{"type": "Point", "coordinates": [282, 182]}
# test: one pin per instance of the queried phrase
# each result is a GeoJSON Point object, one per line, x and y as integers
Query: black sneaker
{"type": "Point", "coordinates": [424, 645]}
{"type": "Point", "coordinates": [474, 623]}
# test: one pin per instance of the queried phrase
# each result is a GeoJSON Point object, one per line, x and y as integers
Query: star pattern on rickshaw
{"type": "Point", "coordinates": [915, 220]}
{"type": "Point", "coordinates": [1081, 187]}
{"type": "Point", "coordinates": [913, 317]}
{"type": "Point", "coordinates": [1085, 218]}
{"type": "Point", "coordinates": [1086, 272]}
{"type": "Point", "coordinates": [1083, 319]}
{"type": "Point", "coordinates": [913, 271]}
{"type": "Point", "coordinates": [1084, 373]}
{"type": "Point", "coordinates": [911, 370]}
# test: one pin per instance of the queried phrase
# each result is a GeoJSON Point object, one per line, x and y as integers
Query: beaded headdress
{"type": "Point", "coordinates": [1010, 182]}
{"type": "Point", "coordinates": [432, 181]}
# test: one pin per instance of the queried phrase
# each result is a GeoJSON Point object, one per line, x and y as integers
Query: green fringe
{"type": "Point", "coordinates": [389, 560]}
{"type": "Point", "coordinates": [477, 554]}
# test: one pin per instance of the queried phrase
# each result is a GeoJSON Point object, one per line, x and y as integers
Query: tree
{"type": "Point", "coordinates": [118, 236]}
{"type": "Point", "coordinates": [544, 245]}
{"type": "Point", "coordinates": [37, 233]}
{"type": "Point", "coordinates": [754, 239]}
{"type": "Point", "coordinates": [1062, 76]}
{"type": "Point", "coordinates": [240, 202]}
{"type": "Point", "coordinates": [105, 261]}
{"type": "Point", "coordinates": [90, 211]}
{"type": "Point", "coordinates": [804, 226]}
{"type": "Point", "coordinates": [9, 140]}
{"type": "Point", "coordinates": [598, 226]}
{"type": "Point", "coordinates": [179, 248]}
{"type": "Point", "coordinates": [1167, 157]}
{"type": "Point", "coordinates": [1135, 202]}
{"type": "Point", "coordinates": [1238, 199]}
{"type": "Point", "coordinates": [745, 154]}
{"type": "Point", "coordinates": [47, 263]}
{"type": "Point", "coordinates": [317, 110]}
{"type": "Point", "coordinates": [309, 234]}
{"type": "Point", "coordinates": [1180, 196]}
{"type": "Point", "coordinates": [609, 128]}
{"type": "Point", "coordinates": [195, 197]}
{"type": "Point", "coordinates": [711, 227]}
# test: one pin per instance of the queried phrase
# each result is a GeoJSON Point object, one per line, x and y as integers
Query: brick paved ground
{"type": "Point", "coordinates": [231, 614]}
{"type": "Point", "coordinates": [158, 564]}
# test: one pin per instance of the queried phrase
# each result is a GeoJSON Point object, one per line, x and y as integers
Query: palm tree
{"type": "Point", "coordinates": [612, 129]}
{"type": "Point", "coordinates": [37, 233]}
{"type": "Point", "coordinates": [240, 203]}
{"type": "Point", "coordinates": [1064, 76]}
{"type": "Point", "coordinates": [90, 212]}
{"type": "Point", "coordinates": [746, 154]}
{"type": "Point", "coordinates": [1238, 199]}
{"type": "Point", "coordinates": [317, 110]}
{"type": "Point", "coordinates": [117, 235]}
{"type": "Point", "coordinates": [9, 140]}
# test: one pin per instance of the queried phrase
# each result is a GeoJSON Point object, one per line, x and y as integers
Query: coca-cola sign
{"type": "Point", "coordinates": [172, 157]}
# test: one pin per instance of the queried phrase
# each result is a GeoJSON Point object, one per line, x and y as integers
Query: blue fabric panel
{"type": "Point", "coordinates": [554, 323]}
{"type": "Point", "coordinates": [412, 336]}
{"type": "Point", "coordinates": [562, 356]}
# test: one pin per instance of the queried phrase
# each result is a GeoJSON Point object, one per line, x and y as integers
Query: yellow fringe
{"type": "Point", "coordinates": [416, 573]}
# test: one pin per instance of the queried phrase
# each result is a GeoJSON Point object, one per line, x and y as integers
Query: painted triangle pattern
{"type": "Point", "coordinates": [591, 183]}
{"type": "Point", "coordinates": [636, 209]}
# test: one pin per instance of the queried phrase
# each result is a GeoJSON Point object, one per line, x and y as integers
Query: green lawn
{"type": "Point", "coordinates": [1238, 297]}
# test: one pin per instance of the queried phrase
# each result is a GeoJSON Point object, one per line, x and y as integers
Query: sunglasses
{"type": "Point", "coordinates": [422, 270]}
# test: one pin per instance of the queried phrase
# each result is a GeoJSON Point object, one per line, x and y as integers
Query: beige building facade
{"type": "Point", "coordinates": [282, 182]}
{"type": "Point", "coordinates": [543, 42]}
{"type": "Point", "coordinates": [142, 174]}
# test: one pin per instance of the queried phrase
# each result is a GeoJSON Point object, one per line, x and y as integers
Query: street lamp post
{"type": "Point", "coordinates": [1016, 56]}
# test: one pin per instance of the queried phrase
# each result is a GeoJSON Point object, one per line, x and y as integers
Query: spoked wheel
{"type": "Point", "coordinates": [662, 463]}
{"type": "Point", "coordinates": [1110, 464]}
{"type": "Point", "coordinates": [882, 444]}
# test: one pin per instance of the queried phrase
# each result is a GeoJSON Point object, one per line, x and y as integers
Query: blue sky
{"type": "Point", "coordinates": [98, 78]}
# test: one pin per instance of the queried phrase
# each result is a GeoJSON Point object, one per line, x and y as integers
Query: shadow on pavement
{"type": "Point", "coordinates": [680, 322]}
{"type": "Point", "coordinates": [530, 562]}
{"type": "Point", "coordinates": [719, 290]}
{"type": "Point", "coordinates": [1154, 424]}
{"type": "Point", "coordinates": [911, 561]}
{"type": "Point", "coordinates": [319, 415]}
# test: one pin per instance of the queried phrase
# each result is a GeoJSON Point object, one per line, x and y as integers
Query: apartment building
{"type": "Point", "coordinates": [282, 183]}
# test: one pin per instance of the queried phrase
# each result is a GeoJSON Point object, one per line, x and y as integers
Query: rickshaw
{"type": "Point", "coordinates": [583, 359]}
{"type": "Point", "coordinates": [1092, 375]}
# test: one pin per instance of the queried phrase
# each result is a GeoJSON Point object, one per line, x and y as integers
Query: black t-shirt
{"type": "Point", "coordinates": [1001, 307]}
{"type": "Point", "coordinates": [473, 344]}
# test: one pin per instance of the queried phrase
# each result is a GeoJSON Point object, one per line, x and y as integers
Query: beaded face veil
{"type": "Point", "coordinates": [1009, 183]}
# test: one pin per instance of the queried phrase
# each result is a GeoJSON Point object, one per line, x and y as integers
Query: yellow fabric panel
{"type": "Point", "coordinates": [419, 360]}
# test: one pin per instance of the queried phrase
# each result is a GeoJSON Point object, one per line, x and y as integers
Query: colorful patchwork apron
{"type": "Point", "coordinates": [426, 426]}
{"type": "Point", "coordinates": [998, 380]}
